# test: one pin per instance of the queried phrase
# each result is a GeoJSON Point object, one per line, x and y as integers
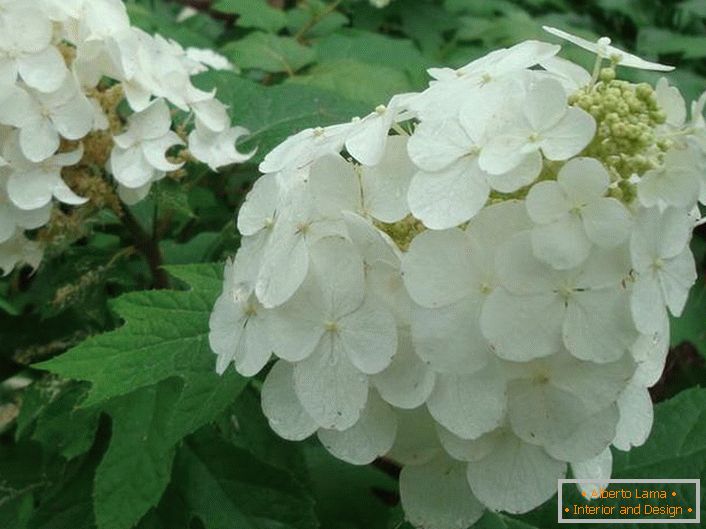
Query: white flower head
{"type": "Point", "coordinates": [473, 281]}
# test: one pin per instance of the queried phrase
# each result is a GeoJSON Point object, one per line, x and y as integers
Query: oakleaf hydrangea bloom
{"type": "Point", "coordinates": [474, 281]}
{"type": "Point", "coordinates": [66, 68]}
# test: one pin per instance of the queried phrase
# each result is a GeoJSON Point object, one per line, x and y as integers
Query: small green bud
{"type": "Point", "coordinates": [607, 75]}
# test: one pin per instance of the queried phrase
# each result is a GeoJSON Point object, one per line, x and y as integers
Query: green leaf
{"type": "Point", "coordinates": [136, 468]}
{"type": "Point", "coordinates": [370, 84]}
{"type": "Point", "coordinates": [493, 520]}
{"type": "Point", "coordinates": [375, 49]}
{"type": "Point", "coordinates": [65, 428]}
{"type": "Point", "coordinates": [7, 306]}
{"type": "Point", "coordinates": [165, 335]}
{"type": "Point", "coordinates": [199, 30]}
{"type": "Point", "coordinates": [227, 487]}
{"type": "Point", "coordinates": [267, 52]}
{"type": "Point", "coordinates": [315, 18]}
{"type": "Point", "coordinates": [691, 325]}
{"type": "Point", "coordinates": [160, 367]}
{"type": "Point", "coordinates": [349, 496]}
{"type": "Point", "coordinates": [676, 447]}
{"type": "Point", "coordinates": [655, 41]}
{"type": "Point", "coordinates": [67, 504]}
{"type": "Point", "coordinates": [273, 113]}
{"type": "Point", "coordinates": [254, 14]}
{"type": "Point", "coordinates": [248, 428]}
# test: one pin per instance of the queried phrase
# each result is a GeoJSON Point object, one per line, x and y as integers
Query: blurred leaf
{"type": "Point", "coordinates": [375, 49]}
{"type": "Point", "coordinates": [428, 24]}
{"type": "Point", "coordinates": [248, 428]}
{"type": "Point", "coordinates": [254, 14]}
{"type": "Point", "coordinates": [8, 307]}
{"type": "Point", "coordinates": [68, 504]}
{"type": "Point", "coordinates": [273, 113]}
{"type": "Point", "coordinates": [640, 12]}
{"type": "Point", "coordinates": [192, 251]}
{"type": "Point", "coordinates": [63, 427]}
{"type": "Point", "coordinates": [267, 52]}
{"type": "Point", "coordinates": [173, 197]}
{"type": "Point", "coordinates": [370, 84]}
{"type": "Point", "coordinates": [654, 41]}
{"type": "Point", "coordinates": [316, 16]}
{"type": "Point", "coordinates": [200, 30]}
{"type": "Point", "coordinates": [135, 470]}
{"type": "Point", "coordinates": [227, 487]}
{"type": "Point", "coordinates": [347, 496]}
{"type": "Point", "coordinates": [691, 325]}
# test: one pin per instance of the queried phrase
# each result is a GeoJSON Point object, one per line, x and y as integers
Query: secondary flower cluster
{"type": "Point", "coordinates": [473, 281]}
{"type": "Point", "coordinates": [65, 68]}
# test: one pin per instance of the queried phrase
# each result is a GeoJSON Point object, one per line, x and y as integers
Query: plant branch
{"type": "Point", "coordinates": [318, 17]}
{"type": "Point", "coordinates": [149, 247]}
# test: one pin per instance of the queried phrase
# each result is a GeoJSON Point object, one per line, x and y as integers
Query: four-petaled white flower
{"type": "Point", "coordinates": [44, 118]}
{"type": "Point", "coordinates": [573, 213]}
{"type": "Point", "coordinates": [546, 123]}
{"type": "Point", "coordinates": [664, 266]}
{"type": "Point", "coordinates": [333, 335]}
{"type": "Point", "coordinates": [138, 157]}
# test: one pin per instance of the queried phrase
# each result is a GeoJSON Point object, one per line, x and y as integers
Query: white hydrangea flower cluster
{"type": "Point", "coordinates": [65, 67]}
{"type": "Point", "coordinates": [473, 281]}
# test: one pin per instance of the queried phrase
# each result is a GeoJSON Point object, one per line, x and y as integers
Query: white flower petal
{"type": "Point", "coordinates": [44, 71]}
{"type": "Point", "coordinates": [329, 387]}
{"type": "Point", "coordinates": [280, 405]}
{"type": "Point", "coordinates": [521, 328]}
{"type": "Point", "coordinates": [597, 327]}
{"type": "Point", "coordinates": [369, 337]}
{"type": "Point", "coordinates": [636, 416]}
{"type": "Point", "coordinates": [371, 437]}
{"type": "Point", "coordinates": [562, 244]}
{"type": "Point", "coordinates": [607, 222]}
{"type": "Point", "coordinates": [676, 278]}
{"type": "Point", "coordinates": [646, 304]}
{"type": "Point", "coordinates": [437, 268]}
{"type": "Point", "coordinates": [546, 202]}
{"type": "Point", "coordinates": [436, 495]}
{"type": "Point", "coordinates": [449, 338]}
{"type": "Point", "coordinates": [469, 405]}
{"type": "Point", "coordinates": [449, 197]}
{"type": "Point", "coordinates": [386, 184]}
{"type": "Point", "coordinates": [598, 469]}
{"type": "Point", "coordinates": [407, 382]}
{"type": "Point", "coordinates": [570, 136]}
{"type": "Point", "coordinates": [258, 210]}
{"type": "Point", "coordinates": [515, 477]}
{"type": "Point", "coordinates": [608, 52]}
{"type": "Point", "coordinates": [437, 144]}
{"type": "Point", "coordinates": [417, 441]}
{"type": "Point", "coordinates": [545, 104]}
{"type": "Point", "coordinates": [524, 174]}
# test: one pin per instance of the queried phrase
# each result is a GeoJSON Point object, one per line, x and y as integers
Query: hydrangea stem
{"type": "Point", "coordinates": [149, 247]}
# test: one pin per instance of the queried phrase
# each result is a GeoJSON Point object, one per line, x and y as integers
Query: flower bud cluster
{"type": "Point", "coordinates": [66, 67]}
{"type": "Point", "coordinates": [451, 283]}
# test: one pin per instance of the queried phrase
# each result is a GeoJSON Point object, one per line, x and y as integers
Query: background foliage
{"type": "Point", "coordinates": [111, 415]}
